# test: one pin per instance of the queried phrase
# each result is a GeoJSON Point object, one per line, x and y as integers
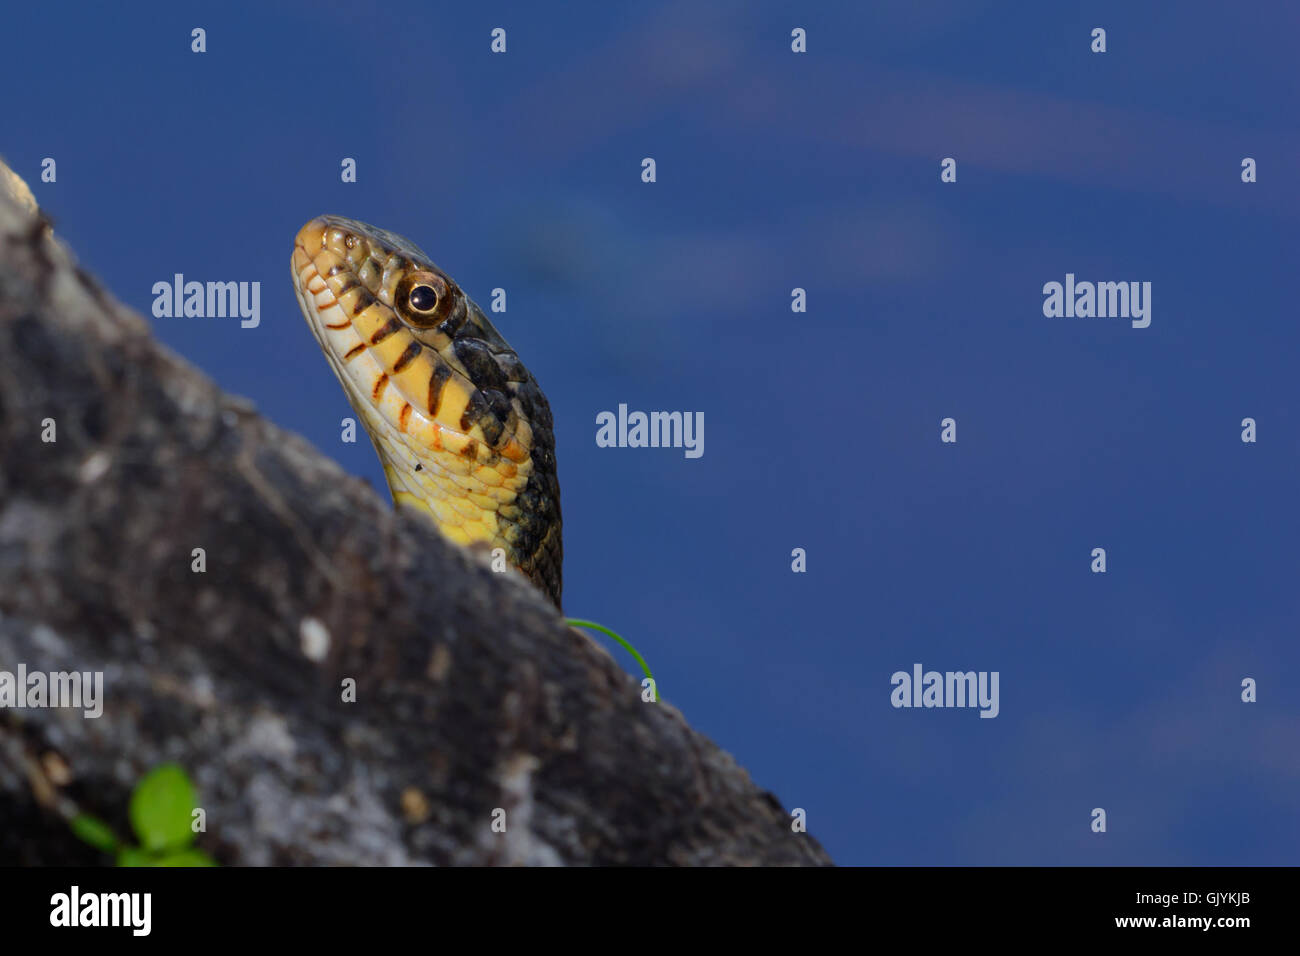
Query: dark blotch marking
{"type": "Point", "coordinates": [480, 363]}
{"type": "Point", "coordinates": [364, 301]}
{"type": "Point", "coordinates": [407, 357]}
{"type": "Point", "coordinates": [437, 380]}
{"type": "Point", "coordinates": [511, 367]}
{"type": "Point", "coordinates": [354, 351]}
{"type": "Point", "coordinates": [381, 383]}
{"type": "Point", "coordinates": [475, 410]}
{"type": "Point", "coordinates": [533, 406]}
{"type": "Point", "coordinates": [539, 526]}
{"type": "Point", "coordinates": [385, 330]}
{"type": "Point", "coordinates": [500, 416]}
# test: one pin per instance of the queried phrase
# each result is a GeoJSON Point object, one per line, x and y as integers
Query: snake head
{"type": "Point", "coordinates": [461, 427]}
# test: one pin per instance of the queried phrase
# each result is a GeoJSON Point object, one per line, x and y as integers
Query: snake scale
{"type": "Point", "coordinates": [461, 427]}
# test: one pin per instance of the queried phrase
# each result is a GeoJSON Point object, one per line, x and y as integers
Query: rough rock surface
{"type": "Point", "coordinates": [471, 693]}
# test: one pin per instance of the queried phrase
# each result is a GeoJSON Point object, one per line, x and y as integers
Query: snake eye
{"type": "Point", "coordinates": [423, 298]}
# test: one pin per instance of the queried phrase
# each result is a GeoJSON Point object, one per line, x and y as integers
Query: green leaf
{"type": "Point", "coordinates": [186, 858]}
{"type": "Point", "coordinates": [134, 856]}
{"type": "Point", "coordinates": [95, 831]}
{"type": "Point", "coordinates": [161, 809]}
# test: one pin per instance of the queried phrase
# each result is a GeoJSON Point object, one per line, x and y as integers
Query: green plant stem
{"type": "Point", "coordinates": [575, 622]}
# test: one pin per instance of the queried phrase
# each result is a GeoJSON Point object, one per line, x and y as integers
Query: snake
{"type": "Point", "coordinates": [462, 429]}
